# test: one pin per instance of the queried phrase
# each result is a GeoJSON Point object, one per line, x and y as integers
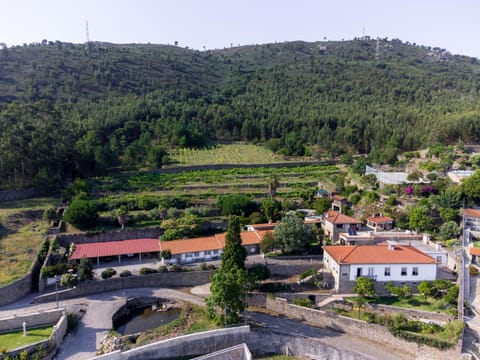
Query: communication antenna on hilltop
{"type": "Point", "coordinates": [86, 31]}
{"type": "Point", "coordinates": [377, 50]}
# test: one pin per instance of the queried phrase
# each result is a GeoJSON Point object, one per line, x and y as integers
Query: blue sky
{"type": "Point", "coordinates": [453, 25]}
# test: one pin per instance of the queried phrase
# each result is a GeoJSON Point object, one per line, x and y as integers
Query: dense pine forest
{"type": "Point", "coordinates": [70, 110]}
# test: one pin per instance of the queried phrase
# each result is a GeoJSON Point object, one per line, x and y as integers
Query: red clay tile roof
{"type": "Point", "coordinates": [379, 219]}
{"type": "Point", "coordinates": [113, 248]}
{"type": "Point", "coordinates": [472, 212]}
{"type": "Point", "coordinates": [266, 226]}
{"type": "Point", "coordinates": [193, 245]}
{"type": "Point", "coordinates": [474, 251]}
{"type": "Point", "coordinates": [378, 254]}
{"type": "Point", "coordinates": [338, 197]}
{"type": "Point", "coordinates": [338, 218]}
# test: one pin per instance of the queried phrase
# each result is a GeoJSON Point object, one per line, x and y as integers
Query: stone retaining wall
{"type": "Point", "coordinates": [18, 194]}
{"type": "Point", "coordinates": [129, 234]}
{"type": "Point", "coordinates": [158, 280]}
{"type": "Point", "coordinates": [20, 288]}
{"type": "Point", "coordinates": [16, 290]}
{"type": "Point", "coordinates": [371, 332]}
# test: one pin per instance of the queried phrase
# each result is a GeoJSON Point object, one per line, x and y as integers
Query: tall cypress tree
{"type": "Point", "coordinates": [234, 254]}
{"type": "Point", "coordinates": [228, 283]}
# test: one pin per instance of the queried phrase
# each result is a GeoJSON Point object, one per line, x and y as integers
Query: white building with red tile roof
{"type": "Point", "coordinates": [380, 223]}
{"type": "Point", "coordinates": [400, 264]}
{"type": "Point", "coordinates": [182, 251]}
{"type": "Point", "coordinates": [334, 223]}
{"type": "Point", "coordinates": [472, 218]}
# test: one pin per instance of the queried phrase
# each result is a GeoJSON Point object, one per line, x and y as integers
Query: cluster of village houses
{"type": "Point", "coordinates": [375, 249]}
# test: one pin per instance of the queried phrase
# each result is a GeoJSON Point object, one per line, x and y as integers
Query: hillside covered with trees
{"type": "Point", "coordinates": [68, 110]}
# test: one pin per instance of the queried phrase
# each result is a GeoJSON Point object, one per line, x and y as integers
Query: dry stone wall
{"type": "Point", "coordinates": [129, 234]}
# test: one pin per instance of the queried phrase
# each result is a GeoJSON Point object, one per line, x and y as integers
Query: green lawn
{"type": "Point", "coordinates": [14, 340]}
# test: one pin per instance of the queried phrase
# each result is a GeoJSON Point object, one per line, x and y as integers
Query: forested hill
{"type": "Point", "coordinates": [69, 109]}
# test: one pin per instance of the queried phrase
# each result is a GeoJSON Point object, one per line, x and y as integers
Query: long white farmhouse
{"type": "Point", "coordinates": [400, 264]}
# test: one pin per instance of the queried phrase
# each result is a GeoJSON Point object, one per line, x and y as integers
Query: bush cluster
{"type": "Point", "coordinates": [108, 273]}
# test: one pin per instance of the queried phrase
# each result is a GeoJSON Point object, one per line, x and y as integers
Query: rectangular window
{"type": "Point", "coordinates": [215, 252]}
{"type": "Point", "coordinates": [387, 271]}
{"type": "Point", "coordinates": [371, 271]}
{"type": "Point", "coordinates": [439, 259]}
{"type": "Point", "coordinates": [196, 254]}
{"type": "Point", "coordinates": [415, 271]}
{"type": "Point", "coordinates": [207, 252]}
{"type": "Point", "coordinates": [404, 271]}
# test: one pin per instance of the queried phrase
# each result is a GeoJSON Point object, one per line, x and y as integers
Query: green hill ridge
{"type": "Point", "coordinates": [80, 109]}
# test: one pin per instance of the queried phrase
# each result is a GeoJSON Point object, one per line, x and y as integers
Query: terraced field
{"type": "Point", "coordinates": [212, 182]}
{"type": "Point", "coordinates": [225, 154]}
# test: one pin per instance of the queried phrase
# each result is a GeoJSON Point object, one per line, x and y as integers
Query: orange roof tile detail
{"type": "Point", "coordinates": [475, 251]}
{"type": "Point", "coordinates": [338, 218]}
{"type": "Point", "coordinates": [378, 254]}
{"type": "Point", "coordinates": [472, 212]}
{"type": "Point", "coordinates": [379, 219]}
{"type": "Point", "coordinates": [193, 245]}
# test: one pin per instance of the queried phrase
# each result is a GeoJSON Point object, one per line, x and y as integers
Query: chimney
{"type": "Point", "coordinates": [426, 238]}
{"type": "Point", "coordinates": [391, 247]}
{"type": "Point", "coordinates": [438, 246]}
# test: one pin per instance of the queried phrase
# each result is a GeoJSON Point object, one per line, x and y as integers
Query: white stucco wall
{"type": "Point", "coordinates": [425, 272]}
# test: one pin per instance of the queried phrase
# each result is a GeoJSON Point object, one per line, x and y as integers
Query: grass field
{"type": "Point", "coordinates": [22, 236]}
{"type": "Point", "coordinates": [14, 340]}
{"type": "Point", "coordinates": [224, 154]}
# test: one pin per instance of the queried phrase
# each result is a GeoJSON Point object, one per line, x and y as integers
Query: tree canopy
{"type": "Point", "coordinates": [290, 234]}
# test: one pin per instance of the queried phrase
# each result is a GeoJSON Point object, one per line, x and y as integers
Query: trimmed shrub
{"type": "Point", "coordinates": [303, 302]}
{"type": "Point", "coordinates": [259, 272]}
{"type": "Point", "coordinates": [125, 273]}
{"type": "Point", "coordinates": [162, 269]}
{"type": "Point", "coordinates": [175, 268]}
{"type": "Point", "coordinates": [145, 271]}
{"type": "Point", "coordinates": [108, 273]}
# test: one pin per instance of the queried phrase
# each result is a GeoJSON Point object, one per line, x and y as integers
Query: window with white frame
{"type": "Point", "coordinates": [387, 271]}
{"type": "Point", "coordinates": [196, 254]}
{"type": "Point", "coordinates": [403, 271]}
{"type": "Point", "coordinates": [415, 271]}
{"type": "Point", "coordinates": [207, 252]}
{"type": "Point", "coordinates": [215, 252]}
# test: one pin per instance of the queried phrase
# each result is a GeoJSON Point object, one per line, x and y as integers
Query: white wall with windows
{"type": "Point", "coordinates": [394, 272]}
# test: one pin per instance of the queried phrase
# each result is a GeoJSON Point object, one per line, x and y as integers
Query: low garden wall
{"type": "Point", "coordinates": [158, 280]}
{"type": "Point", "coordinates": [43, 349]}
{"type": "Point", "coordinates": [359, 328]}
